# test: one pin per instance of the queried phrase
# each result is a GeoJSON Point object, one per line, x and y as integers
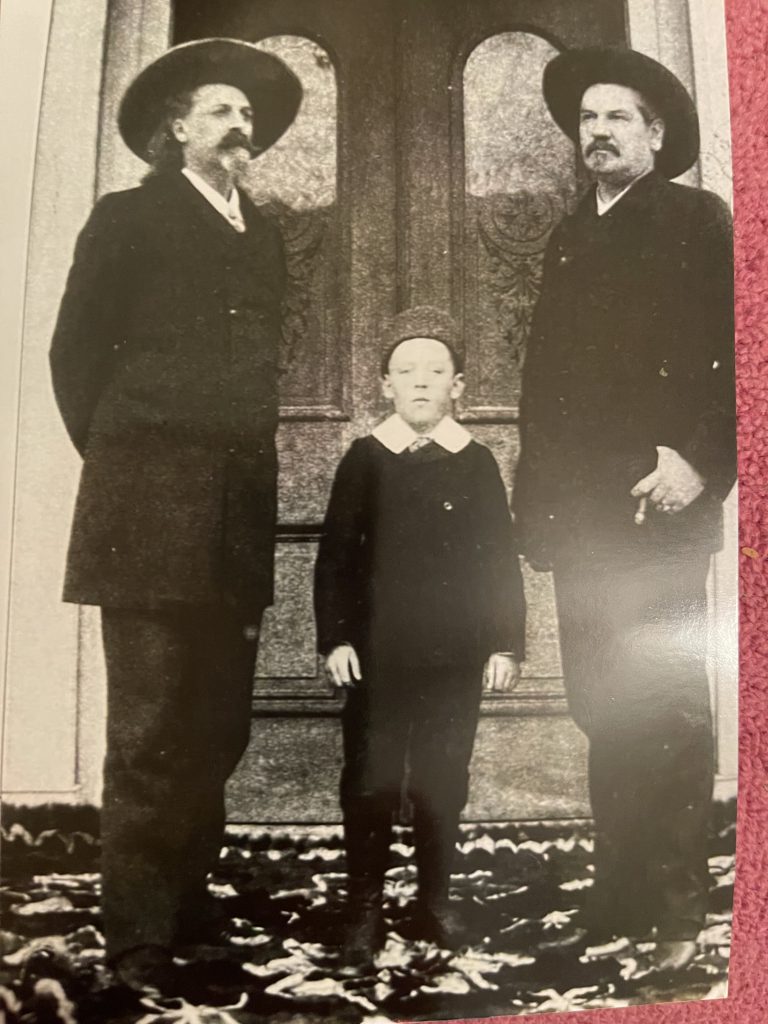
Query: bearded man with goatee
{"type": "Point", "coordinates": [164, 364]}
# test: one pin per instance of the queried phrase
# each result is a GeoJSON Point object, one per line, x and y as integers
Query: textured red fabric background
{"type": "Point", "coordinates": [748, 1000]}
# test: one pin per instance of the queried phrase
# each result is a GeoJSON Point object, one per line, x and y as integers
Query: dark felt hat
{"type": "Point", "coordinates": [422, 322]}
{"type": "Point", "coordinates": [572, 72]}
{"type": "Point", "coordinates": [272, 89]}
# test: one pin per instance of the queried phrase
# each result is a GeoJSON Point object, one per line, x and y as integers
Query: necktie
{"type": "Point", "coordinates": [419, 442]}
{"type": "Point", "coordinates": [236, 221]}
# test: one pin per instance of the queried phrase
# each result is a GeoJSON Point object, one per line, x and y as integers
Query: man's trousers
{"type": "Point", "coordinates": [633, 638]}
{"type": "Point", "coordinates": [424, 719]}
{"type": "Point", "coordinates": [178, 719]}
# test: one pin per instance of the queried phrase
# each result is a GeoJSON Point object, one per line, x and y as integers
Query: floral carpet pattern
{"type": "Point", "coordinates": [518, 888]}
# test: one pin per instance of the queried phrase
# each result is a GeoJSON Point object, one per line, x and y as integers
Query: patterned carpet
{"type": "Point", "coordinates": [518, 888]}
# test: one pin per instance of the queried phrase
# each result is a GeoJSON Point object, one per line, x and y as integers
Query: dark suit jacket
{"type": "Point", "coordinates": [631, 347]}
{"type": "Point", "coordinates": [416, 564]}
{"type": "Point", "coordinates": [164, 364]}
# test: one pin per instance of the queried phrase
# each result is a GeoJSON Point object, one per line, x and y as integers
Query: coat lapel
{"type": "Point", "coordinates": [194, 208]}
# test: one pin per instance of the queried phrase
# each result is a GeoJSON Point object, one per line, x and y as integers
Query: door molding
{"type": "Point", "coordinates": [689, 37]}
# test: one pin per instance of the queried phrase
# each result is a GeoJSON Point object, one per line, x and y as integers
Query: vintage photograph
{"type": "Point", "coordinates": [371, 639]}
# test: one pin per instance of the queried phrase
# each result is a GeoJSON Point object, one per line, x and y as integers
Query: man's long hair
{"type": "Point", "coordinates": [164, 151]}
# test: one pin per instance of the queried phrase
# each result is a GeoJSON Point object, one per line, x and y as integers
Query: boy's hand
{"type": "Point", "coordinates": [501, 674]}
{"type": "Point", "coordinates": [343, 667]}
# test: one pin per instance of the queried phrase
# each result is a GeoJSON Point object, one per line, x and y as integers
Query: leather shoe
{"type": "Point", "coordinates": [441, 924]}
{"type": "Point", "coordinates": [675, 955]}
{"type": "Point", "coordinates": [208, 925]}
{"type": "Point", "coordinates": [365, 935]}
{"type": "Point", "coordinates": [147, 970]}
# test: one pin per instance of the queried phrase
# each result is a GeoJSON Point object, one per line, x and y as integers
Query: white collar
{"type": "Point", "coordinates": [228, 208]}
{"type": "Point", "coordinates": [604, 205]}
{"type": "Point", "coordinates": [394, 433]}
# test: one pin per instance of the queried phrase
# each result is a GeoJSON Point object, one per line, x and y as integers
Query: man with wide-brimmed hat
{"type": "Point", "coordinates": [165, 362]}
{"type": "Point", "coordinates": [628, 450]}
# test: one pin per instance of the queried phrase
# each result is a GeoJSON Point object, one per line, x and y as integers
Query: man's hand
{"type": "Point", "coordinates": [672, 486]}
{"type": "Point", "coordinates": [343, 667]}
{"type": "Point", "coordinates": [501, 673]}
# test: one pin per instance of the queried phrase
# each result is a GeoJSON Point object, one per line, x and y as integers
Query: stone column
{"type": "Point", "coordinates": [688, 36]}
{"type": "Point", "coordinates": [137, 32]}
{"type": "Point", "coordinates": [55, 699]}
{"type": "Point", "coordinates": [43, 739]}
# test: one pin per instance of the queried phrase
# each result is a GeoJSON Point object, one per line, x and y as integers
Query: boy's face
{"type": "Point", "coordinates": [422, 383]}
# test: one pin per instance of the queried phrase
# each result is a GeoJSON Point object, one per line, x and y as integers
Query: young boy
{"type": "Point", "coordinates": [418, 600]}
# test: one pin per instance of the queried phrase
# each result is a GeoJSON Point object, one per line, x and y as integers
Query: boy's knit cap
{"type": "Point", "coordinates": [422, 322]}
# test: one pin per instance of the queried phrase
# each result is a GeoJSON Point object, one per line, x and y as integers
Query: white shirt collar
{"type": "Point", "coordinates": [394, 433]}
{"type": "Point", "coordinates": [604, 205]}
{"type": "Point", "coordinates": [228, 208]}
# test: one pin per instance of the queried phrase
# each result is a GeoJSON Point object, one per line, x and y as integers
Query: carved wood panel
{"type": "Point", "coordinates": [296, 181]}
{"type": "Point", "coordinates": [519, 179]}
{"type": "Point", "coordinates": [505, 238]}
{"type": "Point", "coordinates": [285, 651]}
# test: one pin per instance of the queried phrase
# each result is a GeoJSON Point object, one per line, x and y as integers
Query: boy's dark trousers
{"type": "Point", "coordinates": [425, 718]}
{"type": "Point", "coordinates": [179, 711]}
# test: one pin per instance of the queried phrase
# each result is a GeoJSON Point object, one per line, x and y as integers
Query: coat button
{"type": "Point", "coordinates": [448, 506]}
{"type": "Point", "coordinates": [233, 311]}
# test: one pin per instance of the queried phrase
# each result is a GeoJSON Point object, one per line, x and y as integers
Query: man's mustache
{"type": "Point", "coordinates": [235, 139]}
{"type": "Point", "coordinates": [605, 147]}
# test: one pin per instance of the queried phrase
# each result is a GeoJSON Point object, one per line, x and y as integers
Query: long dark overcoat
{"type": "Point", "coordinates": [165, 363]}
{"type": "Point", "coordinates": [631, 347]}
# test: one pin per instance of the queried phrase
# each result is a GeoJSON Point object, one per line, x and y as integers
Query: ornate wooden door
{"type": "Point", "coordinates": [423, 168]}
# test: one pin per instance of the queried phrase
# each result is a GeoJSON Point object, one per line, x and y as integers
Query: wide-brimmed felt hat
{"type": "Point", "coordinates": [571, 73]}
{"type": "Point", "coordinates": [272, 89]}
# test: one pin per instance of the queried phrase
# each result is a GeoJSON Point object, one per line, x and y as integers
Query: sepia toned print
{"type": "Point", "coordinates": [377, 429]}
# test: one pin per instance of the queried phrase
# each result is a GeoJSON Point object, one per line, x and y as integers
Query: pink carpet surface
{"type": "Point", "coordinates": [747, 1003]}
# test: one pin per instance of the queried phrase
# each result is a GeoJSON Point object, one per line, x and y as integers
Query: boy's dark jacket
{"type": "Point", "coordinates": [164, 364]}
{"type": "Point", "coordinates": [416, 564]}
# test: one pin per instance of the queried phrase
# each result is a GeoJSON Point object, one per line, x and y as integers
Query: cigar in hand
{"type": "Point", "coordinates": [642, 505]}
